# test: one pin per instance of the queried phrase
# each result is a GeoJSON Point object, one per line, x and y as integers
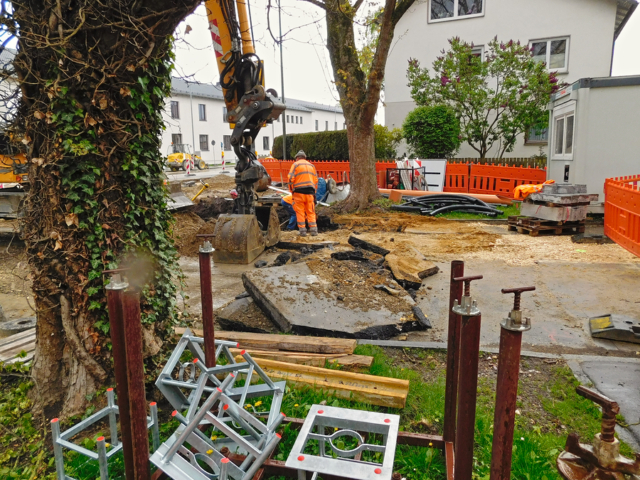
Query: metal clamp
{"type": "Point", "coordinates": [514, 321]}
{"type": "Point", "coordinates": [468, 307]}
{"type": "Point", "coordinates": [206, 247]}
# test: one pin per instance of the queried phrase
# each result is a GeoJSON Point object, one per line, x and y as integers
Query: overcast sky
{"type": "Point", "coordinates": [307, 71]}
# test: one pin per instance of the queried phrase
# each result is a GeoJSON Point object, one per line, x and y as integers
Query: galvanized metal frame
{"type": "Point", "coordinates": [62, 440]}
{"type": "Point", "coordinates": [181, 463]}
{"type": "Point", "coordinates": [352, 423]}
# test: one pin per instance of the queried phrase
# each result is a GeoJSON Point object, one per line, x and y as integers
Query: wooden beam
{"type": "Point", "coordinates": [383, 391]}
{"type": "Point", "coordinates": [313, 359]}
{"type": "Point", "coordinates": [294, 343]}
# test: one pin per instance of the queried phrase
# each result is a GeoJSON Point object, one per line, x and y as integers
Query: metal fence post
{"type": "Point", "coordinates": [453, 353]}
{"type": "Point", "coordinates": [468, 378]}
{"type": "Point", "coordinates": [507, 387]}
{"type": "Point", "coordinates": [137, 401]}
{"type": "Point", "coordinates": [57, 450]}
{"type": "Point", "coordinates": [102, 458]}
{"type": "Point", "coordinates": [206, 298]}
{"type": "Point", "coordinates": [113, 423]}
{"type": "Point", "coordinates": [115, 291]}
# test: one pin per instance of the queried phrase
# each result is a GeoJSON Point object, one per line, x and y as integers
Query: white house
{"type": "Point", "coordinates": [195, 114]}
{"type": "Point", "coordinates": [574, 37]}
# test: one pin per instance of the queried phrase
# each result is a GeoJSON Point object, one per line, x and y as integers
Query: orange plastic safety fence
{"type": "Point", "coordinates": [502, 180]}
{"type": "Point", "coordinates": [339, 171]}
{"type": "Point", "coordinates": [622, 212]}
{"type": "Point", "coordinates": [456, 178]}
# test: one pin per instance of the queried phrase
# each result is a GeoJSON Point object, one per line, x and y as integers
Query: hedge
{"type": "Point", "coordinates": [333, 145]}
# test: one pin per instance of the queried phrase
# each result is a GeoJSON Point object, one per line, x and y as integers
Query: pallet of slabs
{"type": "Point", "coordinates": [383, 391]}
{"type": "Point", "coordinates": [536, 226]}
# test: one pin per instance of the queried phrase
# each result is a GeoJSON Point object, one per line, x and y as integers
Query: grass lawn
{"type": "Point", "coordinates": [548, 409]}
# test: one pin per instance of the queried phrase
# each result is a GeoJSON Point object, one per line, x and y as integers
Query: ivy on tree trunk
{"type": "Point", "coordinates": [93, 77]}
{"type": "Point", "coordinates": [359, 92]}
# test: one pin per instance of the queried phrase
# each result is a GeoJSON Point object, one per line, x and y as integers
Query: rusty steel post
{"type": "Point", "coordinates": [507, 387]}
{"type": "Point", "coordinates": [115, 291]}
{"type": "Point", "coordinates": [135, 369]}
{"type": "Point", "coordinates": [453, 351]}
{"type": "Point", "coordinates": [206, 298]}
{"type": "Point", "coordinates": [467, 379]}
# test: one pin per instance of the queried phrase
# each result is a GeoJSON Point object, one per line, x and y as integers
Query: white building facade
{"type": "Point", "coordinates": [195, 115]}
{"type": "Point", "coordinates": [574, 37]}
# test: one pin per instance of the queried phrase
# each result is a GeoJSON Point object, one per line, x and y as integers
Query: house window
{"type": "Point", "coordinates": [226, 139]}
{"type": "Point", "coordinates": [563, 133]}
{"type": "Point", "coordinates": [300, 120]}
{"type": "Point", "coordinates": [537, 136]}
{"type": "Point", "coordinates": [478, 51]}
{"type": "Point", "coordinates": [287, 118]}
{"type": "Point", "coordinates": [176, 138]}
{"type": "Point", "coordinates": [451, 9]}
{"type": "Point", "coordinates": [335, 126]}
{"type": "Point", "coordinates": [265, 143]}
{"type": "Point", "coordinates": [554, 52]}
{"type": "Point", "coordinates": [296, 119]}
{"type": "Point", "coordinates": [316, 125]}
{"type": "Point", "coordinates": [326, 125]}
{"type": "Point", "coordinates": [175, 109]}
{"type": "Point", "coordinates": [202, 112]}
{"type": "Point", "coordinates": [204, 142]}
{"type": "Point", "coordinates": [224, 114]}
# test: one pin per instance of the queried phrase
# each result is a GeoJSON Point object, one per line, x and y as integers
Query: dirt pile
{"type": "Point", "coordinates": [187, 226]}
{"type": "Point", "coordinates": [211, 207]}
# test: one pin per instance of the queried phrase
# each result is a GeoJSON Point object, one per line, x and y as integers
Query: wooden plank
{"type": "Point", "coordinates": [18, 336]}
{"type": "Point", "coordinates": [283, 342]}
{"type": "Point", "coordinates": [314, 359]}
{"type": "Point", "coordinates": [386, 392]}
{"type": "Point", "coordinates": [10, 350]}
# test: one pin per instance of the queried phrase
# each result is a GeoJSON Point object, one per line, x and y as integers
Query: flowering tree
{"type": "Point", "coordinates": [496, 98]}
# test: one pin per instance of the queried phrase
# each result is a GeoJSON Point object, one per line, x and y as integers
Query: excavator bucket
{"type": "Point", "coordinates": [242, 238]}
{"type": "Point", "coordinates": [238, 239]}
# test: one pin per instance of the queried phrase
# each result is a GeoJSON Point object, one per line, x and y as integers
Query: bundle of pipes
{"type": "Point", "coordinates": [432, 205]}
{"type": "Point", "coordinates": [480, 196]}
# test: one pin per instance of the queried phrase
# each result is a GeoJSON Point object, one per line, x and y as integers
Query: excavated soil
{"type": "Point", "coordinates": [187, 226]}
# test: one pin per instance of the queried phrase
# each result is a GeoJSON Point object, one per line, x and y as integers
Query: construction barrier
{"type": "Point", "coordinates": [456, 178]}
{"type": "Point", "coordinates": [622, 212]}
{"type": "Point", "coordinates": [499, 180]}
{"type": "Point", "coordinates": [459, 177]}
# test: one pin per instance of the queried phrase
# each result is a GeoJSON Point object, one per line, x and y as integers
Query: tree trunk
{"type": "Point", "coordinates": [93, 78]}
{"type": "Point", "coordinates": [362, 155]}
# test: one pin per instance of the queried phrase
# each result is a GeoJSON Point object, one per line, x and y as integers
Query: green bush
{"type": "Point", "coordinates": [333, 145]}
{"type": "Point", "coordinates": [432, 132]}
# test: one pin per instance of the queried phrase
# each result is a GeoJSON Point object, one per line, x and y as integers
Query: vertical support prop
{"type": "Point", "coordinates": [115, 293]}
{"type": "Point", "coordinates": [135, 369]}
{"type": "Point", "coordinates": [468, 379]}
{"type": "Point", "coordinates": [57, 450]}
{"type": "Point", "coordinates": [102, 458]}
{"type": "Point", "coordinates": [206, 297]}
{"type": "Point", "coordinates": [453, 350]}
{"type": "Point", "coordinates": [507, 387]}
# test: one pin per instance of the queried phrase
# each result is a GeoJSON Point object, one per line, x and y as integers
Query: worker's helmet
{"type": "Point", "coordinates": [301, 154]}
{"type": "Point", "coordinates": [233, 193]}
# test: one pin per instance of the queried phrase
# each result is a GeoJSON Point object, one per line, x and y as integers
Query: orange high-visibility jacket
{"type": "Point", "coordinates": [302, 174]}
{"type": "Point", "coordinates": [523, 191]}
{"type": "Point", "coordinates": [288, 199]}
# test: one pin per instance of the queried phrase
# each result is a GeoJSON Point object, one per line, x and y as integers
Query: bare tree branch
{"type": "Point", "coordinates": [318, 3]}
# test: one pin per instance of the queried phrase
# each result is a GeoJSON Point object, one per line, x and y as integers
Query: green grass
{"type": "Point", "coordinates": [537, 440]}
{"type": "Point", "coordinates": [513, 209]}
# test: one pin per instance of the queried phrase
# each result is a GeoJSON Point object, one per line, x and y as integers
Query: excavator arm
{"type": "Point", "coordinates": [249, 105]}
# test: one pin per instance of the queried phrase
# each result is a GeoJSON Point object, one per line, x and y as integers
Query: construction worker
{"type": "Point", "coordinates": [287, 204]}
{"type": "Point", "coordinates": [303, 183]}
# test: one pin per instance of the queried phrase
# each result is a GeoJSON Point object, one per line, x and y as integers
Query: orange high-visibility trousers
{"type": "Point", "coordinates": [305, 208]}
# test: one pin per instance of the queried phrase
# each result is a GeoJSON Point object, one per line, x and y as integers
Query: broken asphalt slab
{"type": "Point", "coordinates": [242, 315]}
{"type": "Point", "coordinates": [298, 300]}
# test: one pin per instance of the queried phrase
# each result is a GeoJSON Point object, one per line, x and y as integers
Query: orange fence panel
{"type": "Point", "coordinates": [456, 178]}
{"type": "Point", "coordinates": [622, 212]}
{"type": "Point", "coordinates": [502, 180]}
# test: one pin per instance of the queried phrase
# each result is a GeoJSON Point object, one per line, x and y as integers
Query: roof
{"type": "Point", "coordinates": [209, 90]}
{"type": "Point", "coordinates": [623, 13]}
{"type": "Point", "coordinates": [598, 82]}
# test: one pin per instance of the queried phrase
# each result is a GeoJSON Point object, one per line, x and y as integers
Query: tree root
{"type": "Point", "coordinates": [88, 362]}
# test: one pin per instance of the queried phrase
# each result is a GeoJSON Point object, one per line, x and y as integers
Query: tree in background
{"type": "Point", "coordinates": [432, 132]}
{"type": "Point", "coordinates": [496, 98]}
{"type": "Point", "coordinates": [386, 142]}
{"type": "Point", "coordinates": [93, 77]}
{"type": "Point", "coordinates": [359, 88]}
